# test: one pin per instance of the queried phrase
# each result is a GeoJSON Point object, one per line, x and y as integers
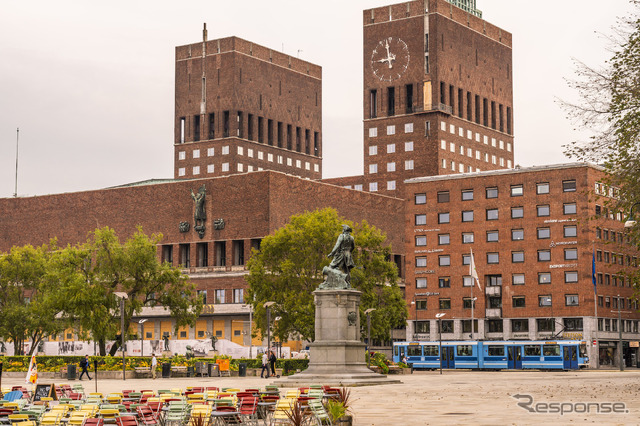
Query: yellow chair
{"type": "Point", "coordinates": [90, 409]}
{"type": "Point", "coordinates": [77, 418]}
{"type": "Point", "coordinates": [25, 423]}
{"type": "Point", "coordinates": [283, 406]}
{"type": "Point", "coordinates": [18, 418]}
{"type": "Point", "coordinates": [113, 398]}
{"type": "Point", "coordinates": [51, 418]}
{"type": "Point", "coordinates": [109, 414]}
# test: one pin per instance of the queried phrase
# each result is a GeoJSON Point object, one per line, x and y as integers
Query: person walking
{"type": "Point", "coordinates": [154, 365]}
{"type": "Point", "coordinates": [84, 364]}
{"type": "Point", "coordinates": [272, 361]}
{"type": "Point", "coordinates": [265, 365]}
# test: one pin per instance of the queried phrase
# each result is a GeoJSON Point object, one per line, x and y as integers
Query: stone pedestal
{"type": "Point", "coordinates": [337, 356]}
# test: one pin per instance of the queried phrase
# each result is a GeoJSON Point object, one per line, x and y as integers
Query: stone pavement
{"type": "Point", "coordinates": [458, 397]}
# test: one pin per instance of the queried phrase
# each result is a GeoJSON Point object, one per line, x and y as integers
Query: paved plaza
{"type": "Point", "coordinates": [459, 397]}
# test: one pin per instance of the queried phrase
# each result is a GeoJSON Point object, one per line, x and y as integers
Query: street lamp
{"type": "Point", "coordinates": [268, 306]}
{"type": "Point", "coordinates": [142, 321]}
{"type": "Point", "coordinates": [368, 314]}
{"type": "Point", "coordinates": [631, 222]}
{"type": "Point", "coordinates": [439, 316]}
{"type": "Point", "coordinates": [250, 330]}
{"type": "Point", "coordinates": [122, 296]}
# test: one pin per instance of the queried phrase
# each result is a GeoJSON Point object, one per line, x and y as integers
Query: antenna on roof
{"type": "Point", "coordinates": [204, 32]}
{"type": "Point", "coordinates": [15, 192]}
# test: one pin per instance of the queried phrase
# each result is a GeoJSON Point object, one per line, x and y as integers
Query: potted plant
{"type": "Point", "coordinates": [338, 408]}
{"type": "Point", "coordinates": [296, 414]}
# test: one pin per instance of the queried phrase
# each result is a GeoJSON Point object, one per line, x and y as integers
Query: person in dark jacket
{"type": "Point", "coordinates": [272, 361]}
{"type": "Point", "coordinates": [84, 364]}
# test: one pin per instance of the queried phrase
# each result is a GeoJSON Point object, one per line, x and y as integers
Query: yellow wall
{"type": "Point", "coordinates": [165, 327]}
{"type": "Point", "coordinates": [149, 327]}
{"type": "Point", "coordinates": [201, 329]}
{"type": "Point", "coordinates": [218, 329]}
{"type": "Point", "coordinates": [183, 333]}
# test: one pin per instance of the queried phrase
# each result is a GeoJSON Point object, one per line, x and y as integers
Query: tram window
{"type": "Point", "coordinates": [583, 350]}
{"type": "Point", "coordinates": [551, 350]}
{"type": "Point", "coordinates": [495, 350]}
{"type": "Point", "coordinates": [464, 350]}
{"type": "Point", "coordinates": [532, 350]}
{"type": "Point", "coordinates": [414, 351]}
{"type": "Point", "coordinates": [395, 350]}
{"type": "Point", "coordinates": [430, 351]}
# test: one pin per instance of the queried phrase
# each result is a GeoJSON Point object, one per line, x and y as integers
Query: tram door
{"type": "Point", "coordinates": [448, 357]}
{"type": "Point", "coordinates": [570, 358]}
{"type": "Point", "coordinates": [514, 357]}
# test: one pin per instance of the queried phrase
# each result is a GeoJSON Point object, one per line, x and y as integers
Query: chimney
{"type": "Point", "coordinates": [204, 32]}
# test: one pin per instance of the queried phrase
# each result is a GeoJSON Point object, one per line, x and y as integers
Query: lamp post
{"type": "Point", "coordinates": [631, 222]}
{"type": "Point", "coordinates": [268, 306]}
{"type": "Point", "coordinates": [368, 314]}
{"type": "Point", "coordinates": [122, 296]}
{"type": "Point", "coordinates": [415, 306]}
{"type": "Point", "coordinates": [439, 316]}
{"type": "Point", "coordinates": [142, 321]}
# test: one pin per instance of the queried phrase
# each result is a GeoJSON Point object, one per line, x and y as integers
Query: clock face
{"type": "Point", "coordinates": [390, 59]}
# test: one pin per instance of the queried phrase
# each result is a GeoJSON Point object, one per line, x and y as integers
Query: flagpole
{"type": "Point", "coordinates": [595, 305]}
{"type": "Point", "coordinates": [472, 305]}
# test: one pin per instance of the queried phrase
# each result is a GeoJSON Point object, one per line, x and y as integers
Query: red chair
{"type": "Point", "coordinates": [94, 422]}
{"type": "Point", "coordinates": [75, 396]}
{"type": "Point", "coordinates": [197, 390]}
{"type": "Point", "coordinates": [126, 421]}
{"type": "Point", "coordinates": [156, 407]}
{"type": "Point", "coordinates": [248, 408]}
{"type": "Point", "coordinates": [125, 393]}
{"type": "Point", "coordinates": [146, 415]}
{"type": "Point", "coordinates": [213, 388]}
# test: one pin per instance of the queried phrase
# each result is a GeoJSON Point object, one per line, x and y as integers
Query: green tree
{"type": "Point", "coordinates": [288, 268]}
{"type": "Point", "coordinates": [29, 313]}
{"type": "Point", "coordinates": [92, 273]}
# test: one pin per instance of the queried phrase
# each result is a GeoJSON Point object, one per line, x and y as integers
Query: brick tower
{"type": "Point", "coordinates": [241, 107]}
{"type": "Point", "coordinates": [438, 96]}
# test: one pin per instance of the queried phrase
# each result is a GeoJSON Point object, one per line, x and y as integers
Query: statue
{"type": "Point", "coordinates": [166, 342]}
{"type": "Point", "coordinates": [189, 353]}
{"type": "Point", "coordinates": [339, 270]}
{"type": "Point", "coordinates": [199, 213]}
{"type": "Point", "coordinates": [3, 348]}
{"type": "Point", "coordinates": [214, 339]}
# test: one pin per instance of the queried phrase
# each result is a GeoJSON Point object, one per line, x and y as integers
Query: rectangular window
{"type": "Point", "coordinates": [445, 304]}
{"type": "Point", "coordinates": [391, 167]}
{"type": "Point", "coordinates": [517, 256]}
{"type": "Point", "coordinates": [571, 299]}
{"type": "Point", "coordinates": [492, 214]}
{"type": "Point", "coordinates": [421, 219]}
{"type": "Point", "coordinates": [571, 277]}
{"type": "Point", "coordinates": [238, 295]}
{"type": "Point", "coordinates": [492, 192]}
{"type": "Point", "coordinates": [391, 101]}
{"type": "Point", "coordinates": [421, 283]}
{"type": "Point", "coordinates": [467, 216]}
{"type": "Point", "coordinates": [409, 98]}
{"type": "Point", "coordinates": [373, 104]}
{"type": "Point", "coordinates": [569, 208]}
{"type": "Point", "coordinates": [467, 194]}
{"type": "Point", "coordinates": [517, 234]}
{"type": "Point", "coordinates": [492, 236]}
{"type": "Point", "coordinates": [220, 296]}
{"type": "Point", "coordinates": [202, 254]}
{"type": "Point", "coordinates": [544, 233]}
{"type": "Point", "coordinates": [373, 168]}
{"type": "Point", "coordinates": [443, 217]}
{"type": "Point", "coordinates": [220, 248]}
{"type": "Point", "coordinates": [421, 262]}
{"type": "Point", "coordinates": [568, 186]}
{"type": "Point", "coordinates": [544, 255]}
{"type": "Point", "coordinates": [420, 198]}
{"type": "Point", "coordinates": [443, 239]}
{"type": "Point", "coordinates": [167, 253]}
{"type": "Point", "coordinates": [391, 148]}
{"type": "Point", "coordinates": [545, 324]}
{"type": "Point", "coordinates": [466, 303]}
{"type": "Point", "coordinates": [443, 196]}
{"type": "Point", "coordinates": [196, 128]}
{"type": "Point", "coordinates": [185, 258]}
{"type": "Point", "coordinates": [570, 254]}
{"type": "Point", "coordinates": [467, 237]}
{"type": "Point", "coordinates": [421, 240]}
{"type": "Point", "coordinates": [542, 210]}
{"type": "Point", "coordinates": [408, 164]}
{"type": "Point", "coordinates": [467, 281]}
{"type": "Point", "coordinates": [212, 127]}
{"type": "Point", "coordinates": [444, 282]}
{"type": "Point", "coordinates": [544, 277]}
{"type": "Point", "coordinates": [495, 326]}
{"type": "Point", "coordinates": [517, 279]}
{"type": "Point", "coordinates": [421, 305]}
{"type": "Point", "coordinates": [544, 300]}
{"type": "Point", "coordinates": [542, 188]}
{"type": "Point", "coordinates": [517, 212]}
{"type": "Point", "coordinates": [493, 258]}
{"type": "Point", "coordinates": [516, 190]}
{"type": "Point", "coordinates": [444, 260]}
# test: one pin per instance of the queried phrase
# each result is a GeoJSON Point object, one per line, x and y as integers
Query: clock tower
{"type": "Point", "coordinates": [438, 93]}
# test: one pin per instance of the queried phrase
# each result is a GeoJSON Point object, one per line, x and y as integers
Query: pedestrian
{"type": "Point", "coordinates": [272, 360]}
{"type": "Point", "coordinates": [84, 364]}
{"type": "Point", "coordinates": [265, 365]}
{"type": "Point", "coordinates": [154, 365]}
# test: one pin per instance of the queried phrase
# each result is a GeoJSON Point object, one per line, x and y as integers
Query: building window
{"type": "Point", "coordinates": [492, 192]}
{"type": "Point", "coordinates": [569, 208]}
{"type": "Point", "coordinates": [467, 303]}
{"type": "Point", "coordinates": [220, 296]}
{"type": "Point", "coordinates": [467, 216]}
{"type": "Point", "coordinates": [517, 279]}
{"type": "Point", "coordinates": [373, 150]}
{"type": "Point", "coordinates": [495, 326]}
{"type": "Point", "coordinates": [373, 186]}
{"type": "Point", "coordinates": [544, 277]}
{"type": "Point", "coordinates": [408, 164]}
{"type": "Point", "coordinates": [373, 132]}
{"type": "Point", "coordinates": [420, 198]}
{"type": "Point", "coordinates": [517, 256]}
{"type": "Point", "coordinates": [225, 150]}
{"type": "Point", "coordinates": [571, 277]}
{"type": "Point", "coordinates": [544, 300]}
{"type": "Point", "coordinates": [443, 196]}
{"type": "Point", "coordinates": [225, 167]}
{"type": "Point", "coordinates": [196, 170]}
{"type": "Point", "coordinates": [516, 190]}
{"type": "Point", "coordinates": [568, 186]}
{"type": "Point", "coordinates": [443, 239]}
{"type": "Point", "coordinates": [444, 260]}
{"type": "Point", "coordinates": [544, 255]}
{"type": "Point", "coordinates": [446, 304]}
{"type": "Point", "coordinates": [421, 305]}
{"type": "Point", "coordinates": [421, 241]}
{"type": "Point", "coordinates": [421, 262]}
{"type": "Point", "coordinates": [408, 146]}
{"type": "Point", "coordinates": [545, 324]}
{"type": "Point", "coordinates": [444, 282]}
{"type": "Point", "coordinates": [492, 236]}
{"type": "Point", "coordinates": [182, 155]}
{"type": "Point", "coordinates": [570, 254]}
{"type": "Point", "coordinates": [493, 258]}
{"type": "Point", "coordinates": [517, 234]}
{"type": "Point", "coordinates": [391, 185]}
{"type": "Point", "coordinates": [391, 167]}
{"type": "Point", "coordinates": [517, 212]}
{"type": "Point", "coordinates": [467, 194]}
{"type": "Point", "coordinates": [542, 188]}
{"type": "Point", "coordinates": [466, 259]}
{"type": "Point", "coordinates": [543, 210]}
{"type": "Point", "coordinates": [492, 214]}
{"type": "Point", "coordinates": [181, 171]}
{"type": "Point", "coordinates": [467, 237]}
{"type": "Point", "coordinates": [520, 325]}
{"type": "Point", "coordinates": [421, 283]}
{"type": "Point", "coordinates": [391, 148]}
{"type": "Point", "coordinates": [443, 217]}
{"type": "Point", "coordinates": [421, 219]}
{"type": "Point", "coordinates": [467, 281]}
{"type": "Point", "coordinates": [543, 233]}
{"type": "Point", "coordinates": [238, 295]}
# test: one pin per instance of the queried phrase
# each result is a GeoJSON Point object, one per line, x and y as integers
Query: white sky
{"type": "Point", "coordinates": [91, 84]}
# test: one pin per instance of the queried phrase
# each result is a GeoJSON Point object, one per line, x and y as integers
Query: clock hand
{"type": "Point", "coordinates": [391, 58]}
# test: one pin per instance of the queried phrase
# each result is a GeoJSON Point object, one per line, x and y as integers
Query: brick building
{"type": "Point", "coordinates": [437, 95]}
{"type": "Point", "coordinates": [241, 107]}
{"type": "Point", "coordinates": [533, 233]}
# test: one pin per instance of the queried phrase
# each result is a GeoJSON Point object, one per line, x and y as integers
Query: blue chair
{"type": "Point", "coordinates": [13, 395]}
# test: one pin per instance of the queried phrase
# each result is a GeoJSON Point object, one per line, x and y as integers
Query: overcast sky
{"type": "Point", "coordinates": [91, 84]}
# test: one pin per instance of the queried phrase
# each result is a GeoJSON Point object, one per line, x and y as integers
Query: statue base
{"type": "Point", "coordinates": [166, 354]}
{"type": "Point", "coordinates": [337, 356]}
{"type": "Point", "coordinates": [212, 354]}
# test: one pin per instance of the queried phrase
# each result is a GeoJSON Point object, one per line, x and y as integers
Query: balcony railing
{"type": "Point", "coordinates": [495, 290]}
{"type": "Point", "coordinates": [494, 313]}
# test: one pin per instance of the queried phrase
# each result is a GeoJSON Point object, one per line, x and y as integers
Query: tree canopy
{"type": "Point", "coordinates": [288, 268]}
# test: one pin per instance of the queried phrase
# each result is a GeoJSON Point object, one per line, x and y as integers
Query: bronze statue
{"type": "Point", "coordinates": [199, 213]}
{"type": "Point", "coordinates": [339, 270]}
{"type": "Point", "coordinates": [166, 342]}
{"type": "Point", "coordinates": [189, 354]}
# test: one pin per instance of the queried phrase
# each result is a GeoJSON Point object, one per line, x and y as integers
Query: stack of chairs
{"type": "Point", "coordinates": [146, 416]}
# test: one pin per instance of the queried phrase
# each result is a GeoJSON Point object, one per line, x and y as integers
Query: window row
{"type": "Point", "coordinates": [497, 326]}
{"type": "Point", "coordinates": [253, 128]}
{"type": "Point", "coordinates": [390, 186]}
{"type": "Point", "coordinates": [611, 324]}
{"type": "Point", "coordinates": [220, 296]}
{"type": "Point", "coordinates": [613, 236]}
{"type": "Point", "coordinates": [217, 253]}
{"type": "Point", "coordinates": [517, 212]}
{"type": "Point", "coordinates": [390, 148]}
{"type": "Point", "coordinates": [616, 258]}
{"type": "Point", "coordinates": [612, 280]}
{"type": "Point", "coordinates": [604, 212]}
{"type": "Point", "coordinates": [496, 280]}
{"type": "Point", "coordinates": [391, 166]}
{"type": "Point", "coordinates": [240, 167]}
{"type": "Point", "coordinates": [492, 236]}
{"type": "Point", "coordinates": [460, 167]}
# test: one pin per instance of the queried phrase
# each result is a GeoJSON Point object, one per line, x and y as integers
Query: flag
{"type": "Point", "coordinates": [593, 272]}
{"type": "Point", "coordinates": [32, 373]}
{"type": "Point", "coordinates": [473, 272]}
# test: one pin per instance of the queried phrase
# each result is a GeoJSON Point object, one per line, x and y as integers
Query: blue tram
{"type": "Point", "coordinates": [496, 355]}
